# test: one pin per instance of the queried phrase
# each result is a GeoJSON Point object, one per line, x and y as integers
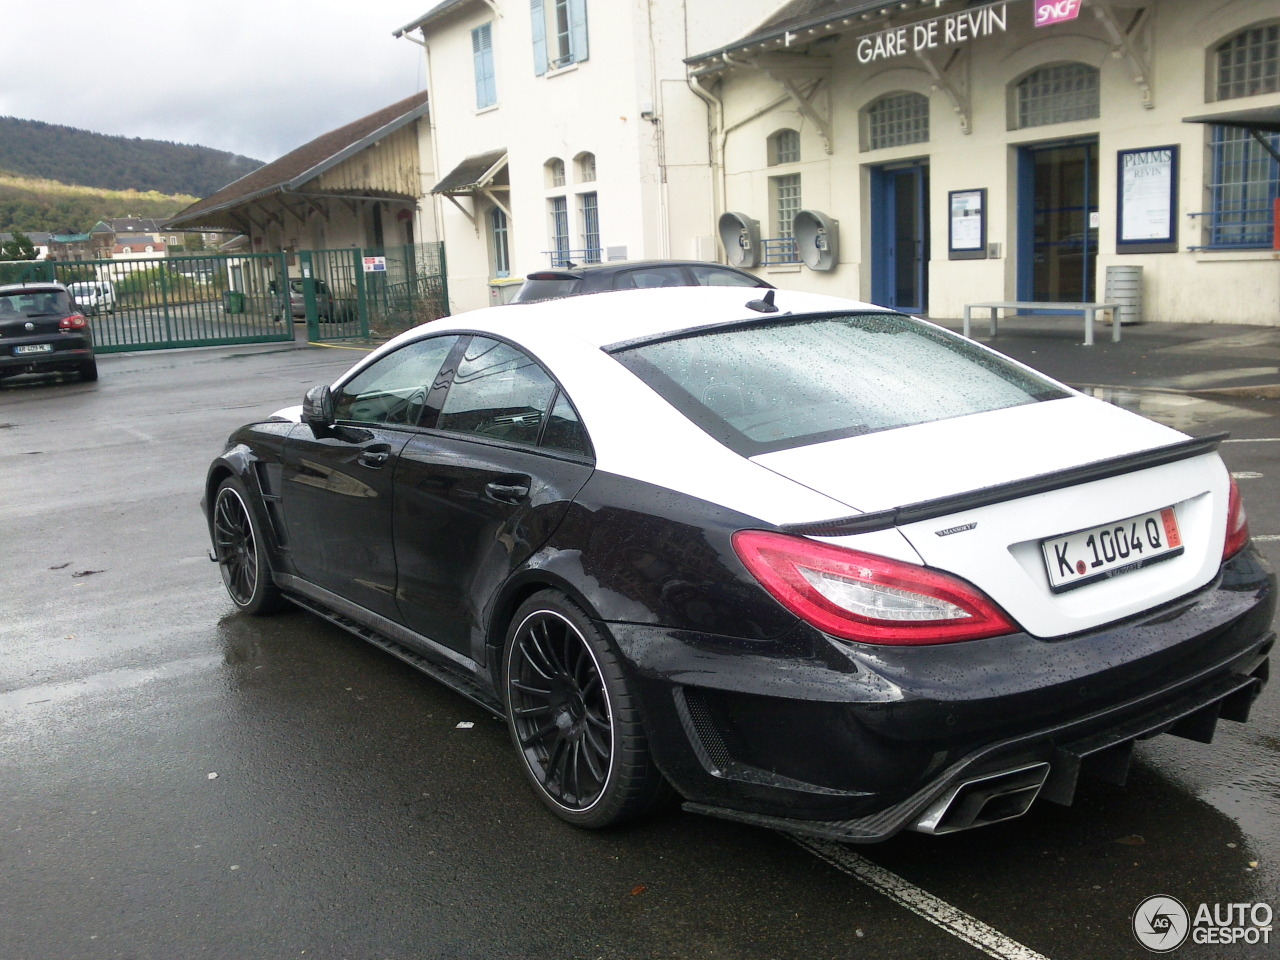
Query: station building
{"type": "Point", "coordinates": [921, 154]}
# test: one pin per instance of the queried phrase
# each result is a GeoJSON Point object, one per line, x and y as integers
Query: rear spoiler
{"type": "Point", "coordinates": [1043, 483]}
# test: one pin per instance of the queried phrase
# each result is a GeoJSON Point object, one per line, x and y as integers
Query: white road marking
{"type": "Point", "coordinates": [1252, 440]}
{"type": "Point", "coordinates": [1267, 538]}
{"type": "Point", "coordinates": [920, 902]}
{"type": "Point", "coordinates": [1246, 475]}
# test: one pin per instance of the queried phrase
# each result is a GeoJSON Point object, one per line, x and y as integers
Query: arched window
{"type": "Point", "coordinates": [784, 147]}
{"type": "Point", "coordinates": [555, 172]}
{"type": "Point", "coordinates": [1249, 63]}
{"type": "Point", "coordinates": [1057, 93]}
{"type": "Point", "coordinates": [586, 164]}
{"type": "Point", "coordinates": [897, 119]}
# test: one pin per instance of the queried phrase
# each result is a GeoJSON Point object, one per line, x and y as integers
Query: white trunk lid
{"type": "Point", "coordinates": [997, 547]}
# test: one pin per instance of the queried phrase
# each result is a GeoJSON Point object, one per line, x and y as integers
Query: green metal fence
{"type": "Point", "coordinates": [195, 301]}
{"type": "Point", "coordinates": [364, 292]}
{"type": "Point", "coordinates": [205, 300]}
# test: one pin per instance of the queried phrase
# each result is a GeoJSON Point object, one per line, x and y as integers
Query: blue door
{"type": "Point", "coordinates": [1058, 221]}
{"type": "Point", "coordinates": [900, 237]}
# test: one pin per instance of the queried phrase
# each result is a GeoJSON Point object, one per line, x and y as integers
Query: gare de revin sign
{"type": "Point", "coordinates": [944, 31]}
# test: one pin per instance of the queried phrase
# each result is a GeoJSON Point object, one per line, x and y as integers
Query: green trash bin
{"type": "Point", "coordinates": [232, 301]}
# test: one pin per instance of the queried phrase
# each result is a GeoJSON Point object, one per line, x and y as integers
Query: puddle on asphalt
{"type": "Point", "coordinates": [1178, 410]}
{"type": "Point", "coordinates": [1252, 801]}
{"type": "Point", "coordinates": [18, 701]}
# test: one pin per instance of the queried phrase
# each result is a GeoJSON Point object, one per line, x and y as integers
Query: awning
{"type": "Point", "coordinates": [474, 173]}
{"type": "Point", "coordinates": [1256, 120]}
{"type": "Point", "coordinates": [1266, 119]}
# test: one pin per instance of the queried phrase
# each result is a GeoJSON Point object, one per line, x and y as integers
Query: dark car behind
{"type": "Point", "coordinates": [43, 331]}
{"type": "Point", "coordinates": [572, 281]}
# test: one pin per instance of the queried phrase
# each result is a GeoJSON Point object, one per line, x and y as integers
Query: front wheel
{"type": "Point", "coordinates": [573, 721]}
{"type": "Point", "coordinates": [241, 551]}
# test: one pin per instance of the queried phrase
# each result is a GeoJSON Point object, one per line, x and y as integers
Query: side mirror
{"type": "Point", "coordinates": [317, 410]}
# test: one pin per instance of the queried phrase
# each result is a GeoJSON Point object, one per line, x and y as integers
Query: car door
{"type": "Point", "coordinates": [483, 490]}
{"type": "Point", "coordinates": [338, 485]}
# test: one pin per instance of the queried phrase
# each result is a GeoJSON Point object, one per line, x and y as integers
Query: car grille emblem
{"type": "Point", "coordinates": [30, 325]}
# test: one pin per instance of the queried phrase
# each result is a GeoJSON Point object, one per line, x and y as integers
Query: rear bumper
{"type": "Point", "coordinates": [68, 353]}
{"type": "Point", "coordinates": [855, 743]}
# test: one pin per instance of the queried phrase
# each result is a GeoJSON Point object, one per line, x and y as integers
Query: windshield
{"type": "Point", "coordinates": [35, 303]}
{"type": "Point", "coordinates": [774, 385]}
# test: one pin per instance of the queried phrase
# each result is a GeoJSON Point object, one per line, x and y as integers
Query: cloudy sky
{"type": "Point", "coordinates": [256, 77]}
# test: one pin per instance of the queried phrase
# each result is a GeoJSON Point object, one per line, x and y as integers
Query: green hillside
{"type": "Point", "coordinates": [31, 148]}
{"type": "Point", "coordinates": [46, 206]}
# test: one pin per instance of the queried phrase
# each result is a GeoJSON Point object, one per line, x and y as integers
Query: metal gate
{"type": "Point", "coordinates": [370, 293]}
{"type": "Point", "coordinates": [195, 301]}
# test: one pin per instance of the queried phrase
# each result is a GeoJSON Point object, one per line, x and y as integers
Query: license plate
{"type": "Point", "coordinates": [1111, 550]}
{"type": "Point", "coordinates": [34, 348]}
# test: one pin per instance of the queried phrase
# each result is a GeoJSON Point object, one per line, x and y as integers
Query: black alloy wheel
{"type": "Point", "coordinates": [246, 571]}
{"type": "Point", "coordinates": [572, 719]}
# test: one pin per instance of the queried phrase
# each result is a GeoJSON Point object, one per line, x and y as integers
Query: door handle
{"type": "Point", "coordinates": [515, 492]}
{"type": "Point", "coordinates": [373, 459]}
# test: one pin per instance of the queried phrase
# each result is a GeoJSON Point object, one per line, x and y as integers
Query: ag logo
{"type": "Point", "coordinates": [1161, 924]}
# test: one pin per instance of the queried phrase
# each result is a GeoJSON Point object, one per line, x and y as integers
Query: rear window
{"type": "Point", "coordinates": [546, 289]}
{"type": "Point", "coordinates": [35, 303]}
{"type": "Point", "coordinates": [770, 386]}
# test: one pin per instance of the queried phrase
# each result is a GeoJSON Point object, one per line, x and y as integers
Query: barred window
{"type": "Point", "coordinates": [559, 209]}
{"type": "Point", "coordinates": [590, 212]}
{"type": "Point", "coordinates": [1058, 93]}
{"type": "Point", "coordinates": [1244, 190]}
{"type": "Point", "coordinates": [896, 120]}
{"type": "Point", "coordinates": [784, 147]}
{"type": "Point", "coordinates": [586, 167]}
{"type": "Point", "coordinates": [1249, 63]}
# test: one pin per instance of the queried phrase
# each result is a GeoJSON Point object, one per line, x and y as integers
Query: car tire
{"type": "Point", "coordinates": [240, 550]}
{"type": "Point", "coordinates": [89, 371]}
{"type": "Point", "coordinates": [574, 723]}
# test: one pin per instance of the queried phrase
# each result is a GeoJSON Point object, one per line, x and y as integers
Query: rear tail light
{"type": "Point", "coordinates": [1237, 523]}
{"type": "Point", "coordinates": [867, 598]}
{"type": "Point", "coordinates": [74, 322]}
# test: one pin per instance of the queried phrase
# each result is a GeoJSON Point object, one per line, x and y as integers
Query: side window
{"type": "Point", "coordinates": [498, 392]}
{"type": "Point", "coordinates": [707, 276]}
{"type": "Point", "coordinates": [564, 429]}
{"type": "Point", "coordinates": [649, 277]}
{"type": "Point", "coordinates": [394, 389]}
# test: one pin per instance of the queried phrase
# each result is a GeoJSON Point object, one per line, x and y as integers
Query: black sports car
{"type": "Point", "coordinates": [803, 561]}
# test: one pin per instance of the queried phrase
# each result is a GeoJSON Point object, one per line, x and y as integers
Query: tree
{"type": "Point", "coordinates": [19, 248]}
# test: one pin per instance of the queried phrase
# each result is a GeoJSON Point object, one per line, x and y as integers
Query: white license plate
{"type": "Point", "coordinates": [1087, 556]}
{"type": "Point", "coordinates": [34, 348]}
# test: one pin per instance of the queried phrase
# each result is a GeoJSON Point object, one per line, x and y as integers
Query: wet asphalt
{"type": "Point", "coordinates": [179, 781]}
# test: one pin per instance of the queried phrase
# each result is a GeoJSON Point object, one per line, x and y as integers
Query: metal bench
{"type": "Point", "coordinates": [1090, 310]}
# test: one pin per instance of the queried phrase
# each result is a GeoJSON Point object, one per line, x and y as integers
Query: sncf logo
{"type": "Point", "coordinates": [1056, 11]}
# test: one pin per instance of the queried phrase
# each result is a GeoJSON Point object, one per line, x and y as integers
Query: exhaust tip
{"type": "Point", "coordinates": [984, 800]}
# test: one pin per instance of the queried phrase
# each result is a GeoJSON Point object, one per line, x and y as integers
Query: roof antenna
{"type": "Point", "coordinates": [764, 306]}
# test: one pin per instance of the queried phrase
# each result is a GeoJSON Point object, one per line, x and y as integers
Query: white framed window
{"type": "Point", "coordinates": [586, 164]}
{"type": "Point", "coordinates": [555, 172]}
{"type": "Point", "coordinates": [559, 33]}
{"type": "Point", "coordinates": [1249, 63]}
{"type": "Point", "coordinates": [482, 56]}
{"type": "Point", "coordinates": [784, 147]}
{"type": "Point", "coordinates": [498, 243]}
{"type": "Point", "coordinates": [1057, 93]}
{"type": "Point", "coordinates": [897, 119]}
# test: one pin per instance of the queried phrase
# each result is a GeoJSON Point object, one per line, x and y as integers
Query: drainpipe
{"type": "Point", "coordinates": [715, 120]}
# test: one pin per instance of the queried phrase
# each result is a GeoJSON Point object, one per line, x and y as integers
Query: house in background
{"type": "Point", "coordinates": [357, 186]}
{"type": "Point", "coordinates": [567, 131]}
